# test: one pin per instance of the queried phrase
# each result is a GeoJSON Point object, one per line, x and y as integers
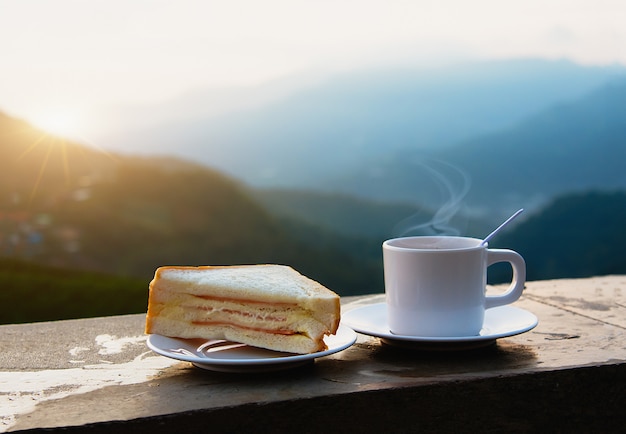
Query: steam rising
{"type": "Point", "coordinates": [452, 185]}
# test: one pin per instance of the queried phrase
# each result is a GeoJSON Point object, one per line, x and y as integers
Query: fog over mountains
{"type": "Point", "coordinates": [572, 146]}
{"type": "Point", "coordinates": [368, 111]}
{"type": "Point", "coordinates": [513, 130]}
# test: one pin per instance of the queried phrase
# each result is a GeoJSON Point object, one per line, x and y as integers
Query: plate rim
{"type": "Point", "coordinates": [533, 321]}
{"type": "Point", "coordinates": [350, 339]}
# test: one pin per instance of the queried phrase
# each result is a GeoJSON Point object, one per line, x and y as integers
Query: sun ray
{"type": "Point", "coordinates": [32, 146]}
{"type": "Point", "coordinates": [98, 148]}
{"type": "Point", "coordinates": [65, 160]}
{"type": "Point", "coordinates": [70, 151]}
{"type": "Point", "coordinates": [42, 168]}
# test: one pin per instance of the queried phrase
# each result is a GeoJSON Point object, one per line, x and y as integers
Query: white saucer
{"type": "Point", "coordinates": [224, 356]}
{"type": "Point", "coordinates": [500, 322]}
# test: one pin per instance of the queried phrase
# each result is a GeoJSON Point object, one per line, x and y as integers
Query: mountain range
{"type": "Point", "coordinates": [577, 235]}
{"type": "Point", "coordinates": [574, 146]}
{"type": "Point", "coordinates": [321, 129]}
{"type": "Point", "coordinates": [481, 139]}
{"type": "Point", "coordinates": [69, 205]}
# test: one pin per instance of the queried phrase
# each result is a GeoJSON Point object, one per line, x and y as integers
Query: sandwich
{"type": "Point", "coordinates": [267, 306]}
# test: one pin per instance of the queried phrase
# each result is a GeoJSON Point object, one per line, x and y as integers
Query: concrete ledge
{"type": "Point", "coordinates": [568, 374]}
{"type": "Point", "coordinates": [577, 400]}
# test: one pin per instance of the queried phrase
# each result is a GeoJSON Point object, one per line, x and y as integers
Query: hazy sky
{"type": "Point", "coordinates": [69, 57]}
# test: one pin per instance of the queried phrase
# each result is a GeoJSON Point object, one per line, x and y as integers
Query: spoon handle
{"type": "Point", "coordinates": [506, 222]}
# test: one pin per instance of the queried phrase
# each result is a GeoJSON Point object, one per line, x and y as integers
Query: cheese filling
{"type": "Point", "coordinates": [278, 319]}
{"type": "Point", "coordinates": [284, 332]}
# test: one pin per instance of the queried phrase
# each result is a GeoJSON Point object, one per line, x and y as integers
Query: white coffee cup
{"type": "Point", "coordinates": [436, 286]}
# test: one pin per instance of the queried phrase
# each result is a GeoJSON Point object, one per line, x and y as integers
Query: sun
{"type": "Point", "coordinates": [58, 134]}
{"type": "Point", "coordinates": [62, 123]}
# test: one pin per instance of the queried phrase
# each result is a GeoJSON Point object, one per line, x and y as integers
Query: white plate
{"type": "Point", "coordinates": [500, 322]}
{"type": "Point", "coordinates": [225, 356]}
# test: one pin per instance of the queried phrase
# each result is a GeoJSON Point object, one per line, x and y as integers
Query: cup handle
{"type": "Point", "coordinates": [519, 276]}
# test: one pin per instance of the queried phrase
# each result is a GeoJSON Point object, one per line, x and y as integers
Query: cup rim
{"type": "Point", "coordinates": [472, 243]}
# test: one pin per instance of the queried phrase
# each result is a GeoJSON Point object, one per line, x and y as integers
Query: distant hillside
{"type": "Point", "coordinates": [39, 293]}
{"type": "Point", "coordinates": [570, 147]}
{"type": "Point", "coordinates": [339, 213]}
{"type": "Point", "coordinates": [577, 235]}
{"type": "Point", "coordinates": [349, 121]}
{"type": "Point", "coordinates": [359, 217]}
{"type": "Point", "coordinates": [67, 205]}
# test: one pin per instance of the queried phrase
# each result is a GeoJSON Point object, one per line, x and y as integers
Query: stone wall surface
{"type": "Point", "coordinates": [568, 373]}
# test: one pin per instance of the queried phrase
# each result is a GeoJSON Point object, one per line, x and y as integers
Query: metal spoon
{"type": "Point", "coordinates": [506, 222]}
